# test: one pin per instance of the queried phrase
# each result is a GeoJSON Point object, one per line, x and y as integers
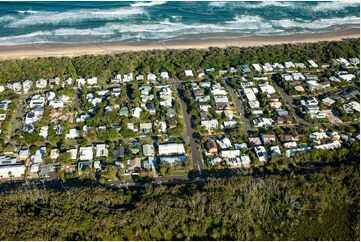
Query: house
{"type": "Point", "coordinates": [254, 140]}
{"type": "Point", "coordinates": [116, 79]}
{"type": "Point", "coordinates": [164, 75]}
{"type": "Point", "coordinates": [224, 143]}
{"type": "Point", "coordinates": [299, 88]}
{"type": "Point", "coordinates": [54, 154]}
{"type": "Point", "coordinates": [246, 161]}
{"type": "Point", "coordinates": [267, 88]}
{"type": "Point", "coordinates": [171, 113]}
{"type": "Point", "coordinates": [210, 124]}
{"type": "Point", "coordinates": [261, 153]}
{"type": "Point", "coordinates": [188, 73]}
{"type": "Point", "coordinates": [139, 78]}
{"type": "Point", "coordinates": [92, 81]}
{"type": "Point", "coordinates": [329, 146]}
{"type": "Point", "coordinates": [230, 153]}
{"type": "Point", "coordinates": [41, 83]}
{"type": "Point", "coordinates": [86, 153]}
{"type": "Point", "coordinates": [172, 160]}
{"type": "Point", "coordinates": [256, 67]}
{"type": "Point", "coordinates": [23, 154]}
{"type": "Point", "coordinates": [148, 150]}
{"type": "Point", "coordinates": [136, 112]}
{"type": "Point", "coordinates": [211, 146]}
{"type": "Point", "coordinates": [44, 132]}
{"type": "Point", "coordinates": [262, 122]}
{"type": "Point", "coordinates": [287, 77]}
{"type": "Point", "coordinates": [101, 150]}
{"type": "Point", "coordinates": [278, 66]}
{"type": "Point", "coordinates": [123, 111]}
{"type": "Point", "coordinates": [2, 116]}
{"type": "Point", "coordinates": [171, 149]}
{"type": "Point", "coordinates": [80, 82]}
{"type": "Point", "coordinates": [267, 67]}
{"type": "Point", "coordinates": [128, 77]}
{"type": "Point", "coordinates": [298, 76]}
{"type": "Point", "coordinates": [318, 136]}
{"type": "Point", "coordinates": [300, 65]}
{"type": "Point", "coordinates": [312, 64]}
{"type": "Point", "coordinates": [132, 127]}
{"type": "Point", "coordinates": [346, 77]}
{"type": "Point", "coordinates": [15, 86]}
{"type": "Point", "coordinates": [245, 69]}
{"type": "Point", "coordinates": [221, 102]}
{"type": "Point", "coordinates": [145, 128]}
{"type": "Point", "coordinates": [27, 85]}
{"type": "Point", "coordinates": [151, 108]}
{"type": "Point", "coordinates": [268, 138]}
{"type": "Point", "coordinates": [289, 65]}
{"type": "Point", "coordinates": [172, 123]}
{"type": "Point", "coordinates": [328, 101]}
{"type": "Point", "coordinates": [294, 151]}
{"type": "Point", "coordinates": [10, 169]}
{"type": "Point", "coordinates": [282, 112]}
{"type": "Point", "coordinates": [151, 77]}
{"type": "Point", "coordinates": [39, 155]}
{"type": "Point", "coordinates": [73, 133]}
{"type": "Point", "coordinates": [163, 126]}
{"type": "Point", "coordinates": [73, 153]}
{"type": "Point", "coordinates": [276, 150]}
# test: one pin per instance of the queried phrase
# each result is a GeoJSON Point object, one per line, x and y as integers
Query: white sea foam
{"type": "Point", "coordinates": [335, 5]}
{"type": "Point", "coordinates": [217, 4]}
{"type": "Point", "coordinates": [147, 4]}
{"type": "Point", "coordinates": [316, 24]}
{"type": "Point", "coordinates": [66, 17]}
{"type": "Point", "coordinates": [28, 11]}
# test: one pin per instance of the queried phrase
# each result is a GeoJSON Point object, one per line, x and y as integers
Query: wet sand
{"type": "Point", "coordinates": [71, 50]}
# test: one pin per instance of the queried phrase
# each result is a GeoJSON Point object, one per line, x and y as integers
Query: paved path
{"type": "Point", "coordinates": [196, 154]}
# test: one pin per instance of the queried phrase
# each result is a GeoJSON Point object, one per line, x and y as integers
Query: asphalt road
{"type": "Point", "coordinates": [196, 154]}
{"type": "Point", "coordinates": [239, 106]}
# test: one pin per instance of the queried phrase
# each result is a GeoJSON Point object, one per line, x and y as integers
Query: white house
{"type": "Point", "coordinates": [230, 153]}
{"type": "Point", "coordinates": [86, 153]}
{"type": "Point", "coordinates": [151, 77]}
{"type": "Point", "coordinates": [41, 83]}
{"type": "Point", "coordinates": [101, 150]}
{"type": "Point", "coordinates": [148, 150]}
{"type": "Point", "coordinates": [188, 73]}
{"type": "Point", "coordinates": [312, 64]}
{"type": "Point", "coordinates": [92, 81]}
{"type": "Point", "coordinates": [15, 171]}
{"type": "Point", "coordinates": [210, 124]}
{"type": "Point", "coordinates": [44, 132]}
{"type": "Point", "coordinates": [73, 133]}
{"type": "Point", "coordinates": [164, 75]}
{"type": "Point", "coordinates": [171, 149]}
{"type": "Point", "coordinates": [27, 85]}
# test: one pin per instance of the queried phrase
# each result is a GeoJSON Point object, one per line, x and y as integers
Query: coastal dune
{"type": "Point", "coordinates": [71, 50]}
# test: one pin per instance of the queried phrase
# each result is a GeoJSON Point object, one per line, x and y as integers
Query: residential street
{"type": "Point", "coordinates": [237, 102]}
{"type": "Point", "coordinates": [196, 154]}
{"type": "Point", "coordinates": [289, 101]}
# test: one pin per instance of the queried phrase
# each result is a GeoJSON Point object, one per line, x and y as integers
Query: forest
{"type": "Point", "coordinates": [173, 61]}
{"type": "Point", "coordinates": [321, 204]}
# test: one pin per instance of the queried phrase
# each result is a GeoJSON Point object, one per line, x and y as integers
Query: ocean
{"type": "Point", "coordinates": [93, 22]}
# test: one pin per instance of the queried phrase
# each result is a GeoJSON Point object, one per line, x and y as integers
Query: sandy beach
{"type": "Point", "coordinates": [71, 50]}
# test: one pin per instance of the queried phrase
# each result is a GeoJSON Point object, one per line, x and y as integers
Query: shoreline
{"type": "Point", "coordinates": [71, 50]}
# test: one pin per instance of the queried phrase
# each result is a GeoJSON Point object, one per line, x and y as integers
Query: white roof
{"type": "Point", "coordinates": [188, 73]}
{"type": "Point", "coordinates": [86, 153]}
{"type": "Point", "coordinates": [171, 148]}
